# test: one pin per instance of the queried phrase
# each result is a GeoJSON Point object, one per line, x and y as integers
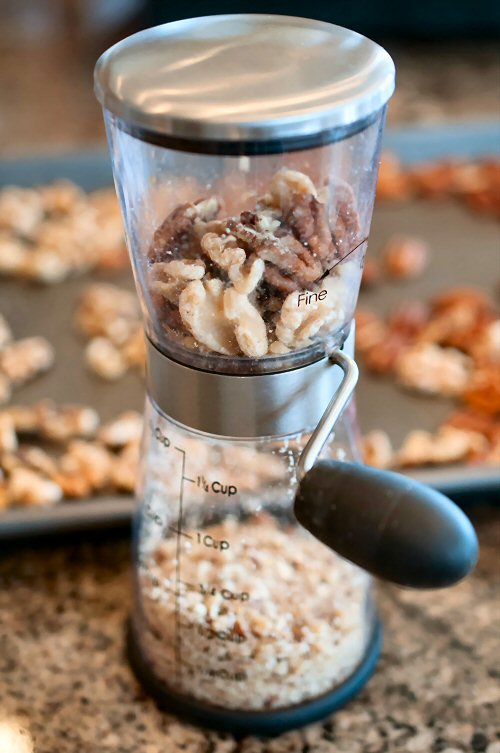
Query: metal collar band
{"type": "Point", "coordinates": [243, 406]}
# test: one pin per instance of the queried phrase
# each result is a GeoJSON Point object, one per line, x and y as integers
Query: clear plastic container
{"type": "Point", "coordinates": [252, 257]}
{"type": "Point", "coordinates": [236, 606]}
{"type": "Point", "coordinates": [245, 152]}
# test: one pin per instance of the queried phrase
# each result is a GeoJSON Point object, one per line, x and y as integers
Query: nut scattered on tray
{"type": "Point", "coordinates": [55, 231]}
{"type": "Point", "coordinates": [49, 453]}
{"type": "Point", "coordinates": [451, 347]}
{"type": "Point", "coordinates": [476, 184]}
{"type": "Point", "coordinates": [297, 630]}
{"type": "Point", "coordinates": [21, 360]}
{"type": "Point", "coordinates": [111, 318]}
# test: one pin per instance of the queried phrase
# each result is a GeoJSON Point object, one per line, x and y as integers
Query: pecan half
{"type": "Point", "coordinates": [286, 253]}
{"type": "Point", "coordinates": [344, 218]}
{"type": "Point", "coordinates": [177, 236]}
{"type": "Point", "coordinates": [309, 224]}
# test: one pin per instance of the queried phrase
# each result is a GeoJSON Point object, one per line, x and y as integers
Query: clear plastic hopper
{"type": "Point", "coordinates": [247, 262]}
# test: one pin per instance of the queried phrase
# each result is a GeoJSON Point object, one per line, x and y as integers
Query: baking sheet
{"type": "Point", "coordinates": [465, 249]}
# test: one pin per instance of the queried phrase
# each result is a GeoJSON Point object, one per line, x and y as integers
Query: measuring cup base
{"type": "Point", "coordinates": [255, 723]}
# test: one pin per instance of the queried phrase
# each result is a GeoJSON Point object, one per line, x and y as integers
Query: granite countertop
{"type": "Point", "coordinates": [65, 686]}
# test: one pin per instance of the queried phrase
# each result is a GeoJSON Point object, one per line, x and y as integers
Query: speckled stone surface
{"type": "Point", "coordinates": [66, 688]}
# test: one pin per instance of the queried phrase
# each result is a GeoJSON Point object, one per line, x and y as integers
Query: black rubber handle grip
{"type": "Point", "coordinates": [388, 524]}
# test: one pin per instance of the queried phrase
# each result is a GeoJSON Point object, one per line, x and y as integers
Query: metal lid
{"type": "Point", "coordinates": [246, 77]}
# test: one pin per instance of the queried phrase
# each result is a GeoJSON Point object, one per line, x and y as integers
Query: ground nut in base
{"type": "Point", "coordinates": [273, 620]}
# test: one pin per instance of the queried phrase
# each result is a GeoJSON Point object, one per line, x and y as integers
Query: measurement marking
{"type": "Point", "coordinates": [189, 479]}
{"type": "Point", "coordinates": [178, 581]}
{"type": "Point", "coordinates": [325, 274]}
{"type": "Point", "coordinates": [179, 533]}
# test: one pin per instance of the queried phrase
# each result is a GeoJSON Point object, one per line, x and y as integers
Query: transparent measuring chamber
{"type": "Point", "coordinates": [236, 606]}
{"type": "Point", "coordinates": [247, 264]}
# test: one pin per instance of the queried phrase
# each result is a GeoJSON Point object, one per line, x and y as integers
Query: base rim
{"type": "Point", "coordinates": [260, 723]}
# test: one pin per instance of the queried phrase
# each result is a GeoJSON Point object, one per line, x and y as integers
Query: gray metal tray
{"type": "Point", "coordinates": [465, 247]}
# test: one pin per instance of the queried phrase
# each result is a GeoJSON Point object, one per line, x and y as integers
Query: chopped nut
{"type": "Point", "coordinates": [486, 347]}
{"type": "Point", "coordinates": [245, 279]}
{"type": "Point", "coordinates": [287, 184]}
{"type": "Point", "coordinates": [61, 197]}
{"type": "Point", "coordinates": [378, 450]}
{"type": "Point", "coordinates": [287, 242]}
{"type": "Point", "coordinates": [123, 430]}
{"type": "Point", "coordinates": [223, 251]}
{"type": "Point", "coordinates": [371, 274]}
{"type": "Point", "coordinates": [306, 608]}
{"type": "Point", "coordinates": [170, 278]}
{"type": "Point", "coordinates": [382, 356]}
{"type": "Point", "coordinates": [480, 423]}
{"type": "Point", "coordinates": [483, 390]}
{"type": "Point", "coordinates": [393, 182]}
{"type": "Point", "coordinates": [4, 494]}
{"type": "Point", "coordinates": [370, 330]}
{"type": "Point", "coordinates": [462, 297]}
{"type": "Point", "coordinates": [59, 424]}
{"type": "Point", "coordinates": [24, 417]}
{"type": "Point", "coordinates": [177, 235]}
{"type": "Point", "coordinates": [300, 319]}
{"type": "Point", "coordinates": [21, 210]}
{"type": "Point", "coordinates": [182, 269]}
{"type": "Point", "coordinates": [125, 467]}
{"type": "Point", "coordinates": [108, 311]}
{"type": "Point", "coordinates": [309, 223]}
{"type": "Point", "coordinates": [433, 370]}
{"type": "Point", "coordinates": [105, 359]}
{"type": "Point", "coordinates": [5, 332]}
{"type": "Point", "coordinates": [249, 326]}
{"type": "Point", "coordinates": [71, 480]}
{"type": "Point", "coordinates": [91, 461]}
{"type": "Point", "coordinates": [27, 487]}
{"type": "Point", "coordinates": [409, 319]}
{"type": "Point", "coordinates": [45, 265]}
{"type": "Point", "coordinates": [38, 460]}
{"type": "Point", "coordinates": [286, 256]}
{"type": "Point", "coordinates": [344, 217]}
{"type": "Point", "coordinates": [405, 258]}
{"type": "Point", "coordinates": [450, 327]}
{"type": "Point", "coordinates": [64, 423]}
{"type": "Point", "coordinates": [134, 350]}
{"type": "Point", "coordinates": [110, 315]}
{"type": "Point", "coordinates": [434, 180]}
{"type": "Point", "coordinates": [201, 306]}
{"type": "Point", "coordinates": [448, 445]}
{"type": "Point", "coordinates": [24, 359]}
{"type": "Point", "coordinates": [5, 389]}
{"type": "Point", "coordinates": [8, 437]}
{"type": "Point", "coordinates": [13, 255]}
{"type": "Point", "coordinates": [277, 348]}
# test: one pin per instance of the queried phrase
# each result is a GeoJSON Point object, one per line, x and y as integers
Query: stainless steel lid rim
{"type": "Point", "coordinates": [244, 77]}
{"type": "Point", "coordinates": [237, 147]}
{"type": "Point", "coordinates": [247, 407]}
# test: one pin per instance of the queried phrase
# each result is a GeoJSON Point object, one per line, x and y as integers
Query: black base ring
{"type": "Point", "coordinates": [260, 723]}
